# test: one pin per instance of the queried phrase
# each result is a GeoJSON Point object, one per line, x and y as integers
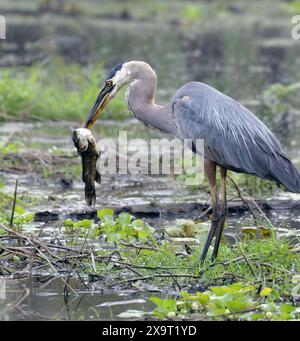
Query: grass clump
{"type": "Point", "coordinates": [262, 263]}
{"type": "Point", "coordinates": [251, 280]}
{"type": "Point", "coordinates": [192, 13]}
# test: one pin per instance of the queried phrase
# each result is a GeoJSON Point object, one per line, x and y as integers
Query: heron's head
{"type": "Point", "coordinates": [119, 76]}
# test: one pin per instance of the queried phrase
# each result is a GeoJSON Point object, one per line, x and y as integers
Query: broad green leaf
{"type": "Point", "coordinates": [265, 292]}
{"type": "Point", "coordinates": [164, 307]}
{"type": "Point", "coordinates": [138, 223]}
{"type": "Point", "coordinates": [105, 213]}
{"type": "Point", "coordinates": [202, 298]}
{"type": "Point", "coordinates": [28, 217]}
{"type": "Point", "coordinates": [85, 223]}
{"type": "Point", "coordinates": [285, 311]}
{"type": "Point", "coordinates": [124, 219]}
{"type": "Point", "coordinates": [269, 307]}
{"type": "Point", "coordinates": [19, 210]}
{"type": "Point", "coordinates": [256, 316]}
{"type": "Point", "coordinates": [114, 237]}
{"type": "Point", "coordinates": [68, 223]}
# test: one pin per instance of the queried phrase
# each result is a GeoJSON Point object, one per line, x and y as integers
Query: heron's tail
{"type": "Point", "coordinates": [284, 171]}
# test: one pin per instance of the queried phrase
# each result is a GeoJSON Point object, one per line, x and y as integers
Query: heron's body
{"type": "Point", "coordinates": [234, 138]}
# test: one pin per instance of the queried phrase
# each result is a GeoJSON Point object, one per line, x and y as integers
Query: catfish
{"type": "Point", "coordinates": [86, 148]}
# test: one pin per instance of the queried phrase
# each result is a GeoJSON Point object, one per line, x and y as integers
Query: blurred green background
{"type": "Point", "coordinates": [57, 52]}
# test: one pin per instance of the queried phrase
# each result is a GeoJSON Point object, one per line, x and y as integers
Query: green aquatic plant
{"type": "Point", "coordinates": [292, 7]}
{"type": "Point", "coordinates": [164, 307]}
{"type": "Point", "coordinates": [192, 12]}
{"type": "Point", "coordinates": [70, 226]}
{"type": "Point", "coordinates": [6, 148]}
{"type": "Point", "coordinates": [124, 227]}
{"type": "Point", "coordinates": [251, 280]}
{"type": "Point", "coordinates": [21, 216]}
{"type": "Point", "coordinates": [233, 302]}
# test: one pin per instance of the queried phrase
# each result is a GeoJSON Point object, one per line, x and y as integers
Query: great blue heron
{"type": "Point", "coordinates": [234, 139]}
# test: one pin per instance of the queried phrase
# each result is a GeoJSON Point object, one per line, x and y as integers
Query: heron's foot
{"type": "Point", "coordinates": [215, 223]}
{"type": "Point", "coordinates": [219, 233]}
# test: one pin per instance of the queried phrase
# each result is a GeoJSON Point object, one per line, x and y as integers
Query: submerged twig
{"type": "Point", "coordinates": [135, 279]}
{"type": "Point", "coordinates": [140, 247]}
{"type": "Point", "coordinates": [246, 260]}
{"type": "Point", "coordinates": [41, 254]}
{"type": "Point", "coordinates": [262, 213]}
{"type": "Point", "coordinates": [14, 205]}
{"type": "Point", "coordinates": [175, 281]}
{"type": "Point", "coordinates": [25, 293]}
{"type": "Point", "coordinates": [243, 199]}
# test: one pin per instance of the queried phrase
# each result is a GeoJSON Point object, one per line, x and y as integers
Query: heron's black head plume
{"type": "Point", "coordinates": [114, 70]}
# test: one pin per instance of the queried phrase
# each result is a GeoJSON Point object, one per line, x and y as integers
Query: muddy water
{"type": "Point", "coordinates": [153, 197]}
{"type": "Point", "coordinates": [47, 302]}
{"type": "Point", "coordinates": [158, 199]}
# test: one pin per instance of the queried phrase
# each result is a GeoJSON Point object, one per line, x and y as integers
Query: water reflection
{"type": "Point", "coordinates": [46, 301]}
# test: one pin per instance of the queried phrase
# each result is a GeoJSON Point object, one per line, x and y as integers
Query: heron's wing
{"type": "Point", "coordinates": [233, 137]}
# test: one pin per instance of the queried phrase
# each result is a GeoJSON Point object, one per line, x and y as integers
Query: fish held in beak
{"type": "Point", "coordinates": [86, 148]}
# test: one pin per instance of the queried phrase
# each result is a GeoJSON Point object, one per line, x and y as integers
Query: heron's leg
{"type": "Point", "coordinates": [223, 213]}
{"type": "Point", "coordinates": [210, 170]}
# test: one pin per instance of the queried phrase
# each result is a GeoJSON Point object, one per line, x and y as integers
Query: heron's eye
{"type": "Point", "coordinates": [109, 84]}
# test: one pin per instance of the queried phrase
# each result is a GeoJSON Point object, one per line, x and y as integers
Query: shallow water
{"type": "Point", "coordinates": [160, 200]}
{"type": "Point", "coordinates": [47, 301]}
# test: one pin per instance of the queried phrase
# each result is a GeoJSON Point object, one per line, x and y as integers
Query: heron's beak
{"type": "Point", "coordinates": [102, 100]}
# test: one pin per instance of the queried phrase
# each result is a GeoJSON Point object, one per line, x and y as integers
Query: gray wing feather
{"type": "Point", "coordinates": [233, 136]}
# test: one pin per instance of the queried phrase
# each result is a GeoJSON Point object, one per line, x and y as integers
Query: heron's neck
{"type": "Point", "coordinates": [141, 101]}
